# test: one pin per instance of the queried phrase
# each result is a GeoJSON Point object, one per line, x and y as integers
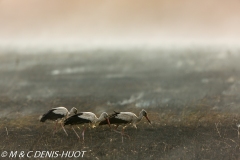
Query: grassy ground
{"type": "Point", "coordinates": [199, 133]}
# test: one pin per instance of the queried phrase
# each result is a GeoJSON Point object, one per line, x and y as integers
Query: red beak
{"type": "Point", "coordinates": [148, 120]}
{"type": "Point", "coordinates": [108, 122]}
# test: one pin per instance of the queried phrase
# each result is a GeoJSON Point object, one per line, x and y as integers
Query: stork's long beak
{"type": "Point", "coordinates": [108, 122]}
{"type": "Point", "coordinates": [148, 120]}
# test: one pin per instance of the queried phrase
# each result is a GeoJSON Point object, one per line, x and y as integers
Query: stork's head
{"type": "Point", "coordinates": [73, 111]}
{"type": "Point", "coordinates": [144, 113]}
{"type": "Point", "coordinates": [104, 115]}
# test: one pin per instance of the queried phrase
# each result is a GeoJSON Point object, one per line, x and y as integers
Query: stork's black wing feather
{"type": "Point", "coordinates": [114, 114]}
{"type": "Point", "coordinates": [113, 120]}
{"type": "Point", "coordinates": [75, 119]}
{"type": "Point", "coordinates": [51, 116]}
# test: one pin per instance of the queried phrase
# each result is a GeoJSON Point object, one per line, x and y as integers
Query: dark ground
{"type": "Point", "coordinates": [191, 95]}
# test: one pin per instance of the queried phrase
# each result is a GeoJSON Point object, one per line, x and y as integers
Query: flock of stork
{"type": "Point", "coordinates": [64, 117]}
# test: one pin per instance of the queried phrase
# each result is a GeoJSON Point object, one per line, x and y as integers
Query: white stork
{"type": "Point", "coordinates": [125, 118]}
{"type": "Point", "coordinates": [83, 118]}
{"type": "Point", "coordinates": [58, 114]}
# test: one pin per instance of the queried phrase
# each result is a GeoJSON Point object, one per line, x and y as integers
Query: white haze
{"type": "Point", "coordinates": [62, 26]}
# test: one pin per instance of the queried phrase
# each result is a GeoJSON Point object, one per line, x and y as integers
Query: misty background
{"type": "Point", "coordinates": [137, 54]}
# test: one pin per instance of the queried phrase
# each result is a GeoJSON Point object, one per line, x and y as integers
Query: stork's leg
{"type": "Point", "coordinates": [122, 133]}
{"type": "Point", "coordinates": [115, 130]}
{"type": "Point", "coordinates": [122, 138]}
{"type": "Point", "coordinates": [55, 128]}
{"type": "Point", "coordinates": [64, 129]}
{"type": "Point", "coordinates": [76, 133]}
{"type": "Point", "coordinates": [83, 133]}
{"type": "Point", "coordinates": [125, 133]}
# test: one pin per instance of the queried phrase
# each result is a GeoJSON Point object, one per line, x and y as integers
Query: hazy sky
{"type": "Point", "coordinates": [101, 22]}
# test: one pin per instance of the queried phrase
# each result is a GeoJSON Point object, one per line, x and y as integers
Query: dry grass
{"type": "Point", "coordinates": [191, 134]}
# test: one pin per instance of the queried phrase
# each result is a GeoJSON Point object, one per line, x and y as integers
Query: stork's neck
{"type": "Point", "coordinates": [70, 113]}
{"type": "Point", "coordinates": [140, 117]}
{"type": "Point", "coordinates": [101, 118]}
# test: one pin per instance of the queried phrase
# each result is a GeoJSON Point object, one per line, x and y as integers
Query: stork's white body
{"type": "Point", "coordinates": [64, 111]}
{"type": "Point", "coordinates": [84, 118]}
{"type": "Point", "coordinates": [57, 114]}
{"type": "Point", "coordinates": [89, 116]}
{"type": "Point", "coordinates": [129, 117]}
{"type": "Point", "coordinates": [60, 110]}
{"type": "Point", "coordinates": [124, 118]}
